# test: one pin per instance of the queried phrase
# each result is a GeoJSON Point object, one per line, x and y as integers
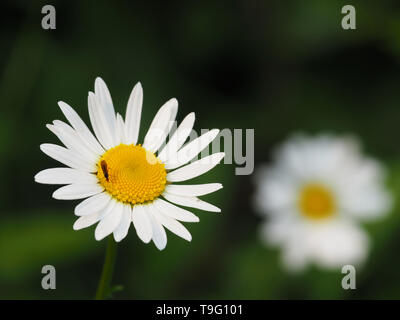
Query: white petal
{"type": "Point", "coordinates": [160, 126]}
{"type": "Point", "coordinates": [159, 235]}
{"type": "Point", "coordinates": [93, 204]}
{"type": "Point", "coordinates": [191, 202]}
{"type": "Point", "coordinates": [120, 130]}
{"type": "Point", "coordinates": [277, 191]}
{"type": "Point", "coordinates": [142, 223]}
{"type": "Point", "coordinates": [362, 192]}
{"type": "Point", "coordinates": [93, 118]}
{"type": "Point", "coordinates": [87, 221]}
{"type": "Point", "coordinates": [100, 124]}
{"type": "Point", "coordinates": [80, 127]}
{"type": "Point", "coordinates": [338, 243]}
{"type": "Point", "coordinates": [133, 114]}
{"type": "Point", "coordinates": [295, 257]}
{"type": "Point", "coordinates": [193, 190]}
{"type": "Point", "coordinates": [56, 130]}
{"type": "Point", "coordinates": [71, 139]}
{"type": "Point", "coordinates": [277, 230]}
{"type": "Point", "coordinates": [110, 221]}
{"type": "Point", "coordinates": [289, 234]}
{"type": "Point", "coordinates": [68, 157]}
{"type": "Point", "coordinates": [196, 168]}
{"type": "Point", "coordinates": [104, 97]}
{"type": "Point", "coordinates": [64, 176]}
{"type": "Point", "coordinates": [175, 212]}
{"type": "Point", "coordinates": [191, 150]}
{"type": "Point", "coordinates": [173, 226]}
{"type": "Point", "coordinates": [178, 138]}
{"type": "Point", "coordinates": [121, 232]}
{"type": "Point", "coordinates": [174, 109]}
{"type": "Point", "coordinates": [77, 191]}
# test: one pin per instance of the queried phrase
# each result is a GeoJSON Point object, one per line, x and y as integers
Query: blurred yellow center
{"type": "Point", "coordinates": [316, 202]}
{"type": "Point", "coordinates": [131, 174]}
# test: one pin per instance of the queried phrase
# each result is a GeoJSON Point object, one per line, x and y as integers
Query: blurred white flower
{"type": "Point", "coordinates": [315, 194]}
{"type": "Point", "coordinates": [123, 181]}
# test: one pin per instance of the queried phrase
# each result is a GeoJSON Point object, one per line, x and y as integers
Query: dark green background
{"type": "Point", "coordinates": [275, 66]}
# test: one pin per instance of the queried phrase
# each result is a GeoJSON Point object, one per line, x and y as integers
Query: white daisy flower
{"type": "Point", "coordinates": [123, 181]}
{"type": "Point", "coordinates": [315, 195]}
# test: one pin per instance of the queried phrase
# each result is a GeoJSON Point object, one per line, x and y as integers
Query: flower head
{"type": "Point", "coordinates": [123, 181]}
{"type": "Point", "coordinates": [315, 194]}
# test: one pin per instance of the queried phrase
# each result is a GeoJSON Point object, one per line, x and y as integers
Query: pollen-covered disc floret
{"type": "Point", "coordinates": [131, 174]}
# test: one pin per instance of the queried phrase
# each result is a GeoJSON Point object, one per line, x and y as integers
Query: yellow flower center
{"type": "Point", "coordinates": [316, 202]}
{"type": "Point", "coordinates": [131, 174]}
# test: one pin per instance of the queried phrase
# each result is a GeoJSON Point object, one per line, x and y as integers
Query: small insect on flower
{"type": "Point", "coordinates": [123, 181]}
{"type": "Point", "coordinates": [103, 165]}
{"type": "Point", "coordinates": [315, 194]}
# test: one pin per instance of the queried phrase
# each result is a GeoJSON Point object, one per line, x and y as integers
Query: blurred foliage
{"type": "Point", "coordinates": [276, 66]}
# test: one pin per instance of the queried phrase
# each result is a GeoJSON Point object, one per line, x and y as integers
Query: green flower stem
{"type": "Point", "coordinates": [104, 287]}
